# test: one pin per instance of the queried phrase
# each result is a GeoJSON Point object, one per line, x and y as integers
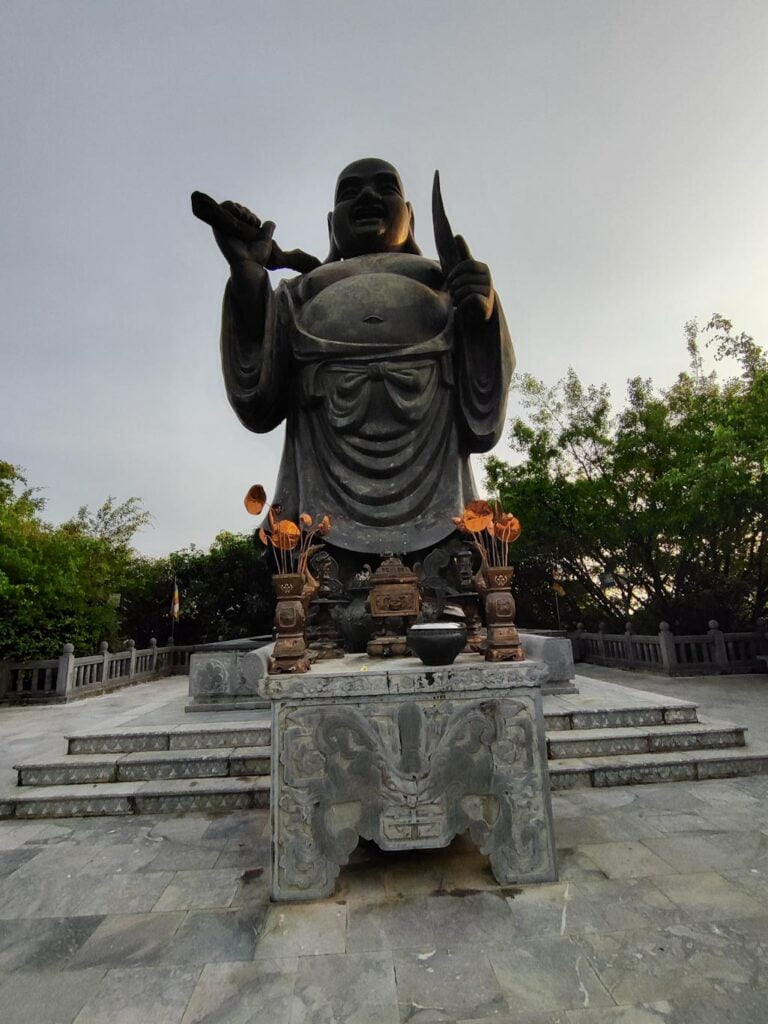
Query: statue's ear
{"type": "Point", "coordinates": [333, 252]}
{"type": "Point", "coordinates": [410, 242]}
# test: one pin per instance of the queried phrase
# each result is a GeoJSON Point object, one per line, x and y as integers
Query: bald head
{"type": "Point", "coordinates": [370, 212]}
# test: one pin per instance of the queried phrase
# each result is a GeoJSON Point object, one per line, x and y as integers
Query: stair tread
{"type": "Point", "coordinates": [664, 757]}
{"type": "Point", "coordinates": [148, 756]}
{"type": "Point", "coordinates": [619, 732]}
{"type": "Point", "coordinates": [157, 787]}
{"type": "Point", "coordinates": [165, 730]}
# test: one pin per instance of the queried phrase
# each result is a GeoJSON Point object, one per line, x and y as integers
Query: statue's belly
{"type": "Point", "coordinates": [381, 307]}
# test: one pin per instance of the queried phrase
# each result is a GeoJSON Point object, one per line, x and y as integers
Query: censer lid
{"type": "Point", "coordinates": [392, 570]}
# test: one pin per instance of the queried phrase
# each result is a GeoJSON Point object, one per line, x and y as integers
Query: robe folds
{"type": "Point", "coordinates": [385, 392]}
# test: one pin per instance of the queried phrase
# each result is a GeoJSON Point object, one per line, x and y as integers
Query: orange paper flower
{"type": "Point", "coordinates": [255, 499]}
{"type": "Point", "coordinates": [285, 535]}
{"type": "Point", "coordinates": [478, 516]}
{"type": "Point", "coordinates": [507, 528]}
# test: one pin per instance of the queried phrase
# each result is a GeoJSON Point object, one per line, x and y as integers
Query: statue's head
{"type": "Point", "coordinates": [370, 212]}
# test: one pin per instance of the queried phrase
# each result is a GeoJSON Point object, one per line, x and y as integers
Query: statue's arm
{"type": "Point", "coordinates": [253, 360]}
{"type": "Point", "coordinates": [485, 362]}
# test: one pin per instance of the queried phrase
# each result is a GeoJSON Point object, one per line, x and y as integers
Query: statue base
{"type": "Point", "coordinates": [409, 757]}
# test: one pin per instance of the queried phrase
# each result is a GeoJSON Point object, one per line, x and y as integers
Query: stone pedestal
{"type": "Point", "coordinates": [219, 678]}
{"type": "Point", "coordinates": [409, 757]}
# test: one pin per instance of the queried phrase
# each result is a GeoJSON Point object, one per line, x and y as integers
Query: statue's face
{"type": "Point", "coordinates": [370, 212]}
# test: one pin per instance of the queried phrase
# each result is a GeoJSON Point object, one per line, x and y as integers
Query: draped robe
{"type": "Point", "coordinates": [385, 392]}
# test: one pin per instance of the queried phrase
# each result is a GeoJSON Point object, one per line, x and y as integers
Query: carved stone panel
{"type": "Point", "coordinates": [409, 773]}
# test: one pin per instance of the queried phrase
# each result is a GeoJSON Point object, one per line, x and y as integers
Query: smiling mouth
{"type": "Point", "coordinates": [368, 213]}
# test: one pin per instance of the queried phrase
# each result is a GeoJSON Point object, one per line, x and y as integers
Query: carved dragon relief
{"type": "Point", "coordinates": [410, 774]}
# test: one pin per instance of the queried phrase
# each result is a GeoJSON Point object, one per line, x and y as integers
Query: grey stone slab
{"type": "Point", "coordinates": [178, 855]}
{"type": "Point", "coordinates": [660, 1012]}
{"type": "Point", "coordinates": [548, 974]}
{"type": "Point", "coordinates": [43, 943]}
{"type": "Point", "coordinates": [309, 929]}
{"type": "Point", "coordinates": [140, 995]}
{"type": "Point", "coordinates": [46, 997]}
{"type": "Point", "coordinates": [351, 989]}
{"type": "Point", "coordinates": [752, 881]}
{"type": "Point", "coordinates": [247, 827]}
{"type": "Point", "coordinates": [575, 865]}
{"type": "Point", "coordinates": [14, 834]}
{"type": "Point", "coordinates": [558, 1017]}
{"type": "Point", "coordinates": [627, 860]}
{"type": "Point", "coordinates": [709, 896]}
{"type": "Point", "coordinates": [215, 936]}
{"type": "Point", "coordinates": [243, 993]}
{"type": "Point", "coordinates": [123, 892]}
{"type": "Point", "coordinates": [199, 890]}
{"type": "Point", "coordinates": [448, 986]}
{"type": "Point", "coordinates": [12, 860]}
{"type": "Point", "coordinates": [45, 897]}
{"type": "Point", "coordinates": [713, 852]}
{"type": "Point", "coordinates": [129, 940]}
{"type": "Point", "coordinates": [630, 903]}
{"type": "Point", "coordinates": [672, 962]}
{"type": "Point", "coordinates": [394, 924]}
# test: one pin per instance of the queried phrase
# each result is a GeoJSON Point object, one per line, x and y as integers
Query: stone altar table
{"type": "Point", "coordinates": [408, 756]}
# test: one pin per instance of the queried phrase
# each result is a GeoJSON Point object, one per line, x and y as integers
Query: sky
{"type": "Point", "coordinates": [608, 160]}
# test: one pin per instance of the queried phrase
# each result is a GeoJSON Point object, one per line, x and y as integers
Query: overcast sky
{"type": "Point", "coordinates": [607, 159]}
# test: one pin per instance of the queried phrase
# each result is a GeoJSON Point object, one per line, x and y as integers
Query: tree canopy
{"type": "Point", "coordinates": [656, 512]}
{"type": "Point", "coordinates": [59, 584]}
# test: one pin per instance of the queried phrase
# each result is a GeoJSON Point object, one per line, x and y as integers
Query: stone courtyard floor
{"type": "Point", "coordinates": [660, 914]}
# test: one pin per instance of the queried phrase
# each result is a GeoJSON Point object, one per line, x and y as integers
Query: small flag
{"type": "Point", "coordinates": [175, 602]}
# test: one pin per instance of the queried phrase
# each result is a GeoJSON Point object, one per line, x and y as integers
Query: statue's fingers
{"type": "Point", "coordinates": [267, 230]}
{"type": "Point", "coordinates": [463, 248]}
{"type": "Point", "coordinates": [468, 291]}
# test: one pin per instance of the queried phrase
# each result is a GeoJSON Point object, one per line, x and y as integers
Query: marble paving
{"type": "Point", "coordinates": [660, 915]}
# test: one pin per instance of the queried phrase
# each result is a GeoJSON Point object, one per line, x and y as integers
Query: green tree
{"type": "Point", "coordinates": [659, 512]}
{"type": "Point", "coordinates": [225, 592]}
{"type": "Point", "coordinates": [56, 583]}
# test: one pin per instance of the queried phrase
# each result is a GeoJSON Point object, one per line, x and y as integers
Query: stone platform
{"type": "Point", "coordinates": [605, 735]}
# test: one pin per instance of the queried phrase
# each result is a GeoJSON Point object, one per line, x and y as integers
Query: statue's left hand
{"type": "Point", "coordinates": [470, 285]}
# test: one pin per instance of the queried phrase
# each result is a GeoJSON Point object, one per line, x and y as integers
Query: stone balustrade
{"type": "Point", "coordinates": [676, 655]}
{"type": "Point", "coordinates": [67, 677]}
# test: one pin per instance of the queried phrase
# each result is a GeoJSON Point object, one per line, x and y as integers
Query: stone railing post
{"type": "Point", "coordinates": [628, 649]}
{"type": "Point", "coordinates": [104, 652]}
{"type": "Point", "coordinates": [721, 651]}
{"type": "Point", "coordinates": [153, 655]}
{"type": "Point", "coordinates": [65, 675]}
{"type": "Point", "coordinates": [5, 677]}
{"type": "Point", "coordinates": [667, 648]}
{"type": "Point", "coordinates": [761, 639]}
{"type": "Point", "coordinates": [131, 645]}
{"type": "Point", "coordinates": [577, 642]}
{"type": "Point", "coordinates": [601, 641]}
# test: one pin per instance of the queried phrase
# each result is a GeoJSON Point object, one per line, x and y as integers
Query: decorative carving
{"type": "Point", "coordinates": [410, 774]}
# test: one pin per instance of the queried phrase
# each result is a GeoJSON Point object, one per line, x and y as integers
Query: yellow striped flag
{"type": "Point", "coordinates": [175, 602]}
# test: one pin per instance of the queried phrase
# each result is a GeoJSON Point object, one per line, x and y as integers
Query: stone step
{"type": "Point", "coordinates": [129, 741]}
{"type": "Point", "coordinates": [169, 796]}
{"type": "Point", "coordinates": [146, 766]}
{"type": "Point", "coordinates": [638, 769]}
{"type": "Point", "coordinates": [653, 739]}
{"type": "Point", "coordinates": [633, 716]}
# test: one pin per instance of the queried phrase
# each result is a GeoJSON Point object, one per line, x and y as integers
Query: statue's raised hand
{"type": "Point", "coordinates": [253, 245]}
{"type": "Point", "coordinates": [468, 281]}
{"type": "Point", "coordinates": [244, 239]}
{"type": "Point", "coordinates": [470, 285]}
